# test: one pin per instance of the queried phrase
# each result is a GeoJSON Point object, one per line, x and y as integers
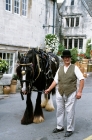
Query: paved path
{"type": "Point", "coordinates": [12, 109]}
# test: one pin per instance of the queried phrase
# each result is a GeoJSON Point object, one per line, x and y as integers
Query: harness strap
{"type": "Point", "coordinates": [25, 64]}
{"type": "Point", "coordinates": [39, 69]}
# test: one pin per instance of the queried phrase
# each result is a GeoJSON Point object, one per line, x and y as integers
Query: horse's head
{"type": "Point", "coordinates": [25, 71]}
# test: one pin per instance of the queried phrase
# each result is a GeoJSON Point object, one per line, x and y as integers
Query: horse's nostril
{"type": "Point", "coordinates": [23, 72]}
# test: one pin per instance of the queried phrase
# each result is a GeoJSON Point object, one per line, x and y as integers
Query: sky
{"type": "Point", "coordinates": [60, 1]}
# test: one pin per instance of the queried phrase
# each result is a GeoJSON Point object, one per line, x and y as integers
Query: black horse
{"type": "Point", "coordinates": [36, 71]}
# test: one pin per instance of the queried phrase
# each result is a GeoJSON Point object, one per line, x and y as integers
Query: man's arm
{"type": "Point", "coordinates": [50, 87]}
{"type": "Point", "coordinates": [79, 92]}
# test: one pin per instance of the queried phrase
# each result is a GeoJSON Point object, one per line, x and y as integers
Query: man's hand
{"type": "Point", "coordinates": [78, 95]}
{"type": "Point", "coordinates": [47, 91]}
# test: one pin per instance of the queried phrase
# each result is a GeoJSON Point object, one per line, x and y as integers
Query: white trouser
{"type": "Point", "coordinates": [66, 104]}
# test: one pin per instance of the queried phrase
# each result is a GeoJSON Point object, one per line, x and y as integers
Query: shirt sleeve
{"type": "Point", "coordinates": [56, 77]}
{"type": "Point", "coordinates": [78, 73]}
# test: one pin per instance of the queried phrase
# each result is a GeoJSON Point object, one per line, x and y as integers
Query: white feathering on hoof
{"type": "Point", "coordinates": [44, 101]}
{"type": "Point", "coordinates": [38, 119]}
{"type": "Point", "coordinates": [49, 105]}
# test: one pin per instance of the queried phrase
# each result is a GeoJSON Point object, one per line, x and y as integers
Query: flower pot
{"type": "Point", "coordinates": [13, 86]}
{"type": "Point", "coordinates": [89, 68]}
{"type": "Point", "coordinates": [6, 89]}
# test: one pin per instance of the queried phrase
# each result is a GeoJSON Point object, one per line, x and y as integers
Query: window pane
{"type": "Point", "coordinates": [72, 2]}
{"type": "Point", "coordinates": [65, 43]}
{"type": "Point", "coordinates": [0, 55]}
{"type": "Point", "coordinates": [67, 22]}
{"type": "Point", "coordinates": [17, 4]}
{"type": "Point", "coordinates": [9, 8]}
{"type": "Point", "coordinates": [6, 6]}
{"type": "Point", "coordinates": [11, 56]}
{"type": "Point", "coordinates": [70, 44]}
{"type": "Point", "coordinates": [76, 43]}
{"type": "Point", "coordinates": [72, 22]}
{"type": "Point", "coordinates": [77, 21]}
{"type": "Point", "coordinates": [80, 43]}
{"type": "Point", "coordinates": [8, 55]}
{"type": "Point", "coordinates": [9, 1]}
{"type": "Point", "coordinates": [6, 1]}
{"type": "Point", "coordinates": [4, 55]}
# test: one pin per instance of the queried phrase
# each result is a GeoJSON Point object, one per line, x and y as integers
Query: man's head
{"type": "Point", "coordinates": [66, 55]}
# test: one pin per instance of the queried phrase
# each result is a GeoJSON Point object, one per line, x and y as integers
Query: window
{"type": "Point", "coordinates": [16, 6]}
{"type": "Point", "coordinates": [8, 5]}
{"type": "Point", "coordinates": [70, 43]}
{"type": "Point", "coordinates": [72, 2]}
{"type": "Point", "coordinates": [24, 7]}
{"type": "Point", "coordinates": [72, 22]}
{"type": "Point", "coordinates": [9, 58]}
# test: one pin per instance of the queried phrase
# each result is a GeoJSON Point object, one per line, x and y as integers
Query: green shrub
{"type": "Point", "coordinates": [60, 49]}
{"type": "Point", "coordinates": [74, 53]}
{"type": "Point", "coordinates": [88, 48]}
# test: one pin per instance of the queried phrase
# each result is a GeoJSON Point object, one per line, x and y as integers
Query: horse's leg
{"type": "Point", "coordinates": [49, 106]}
{"type": "Point", "coordinates": [38, 114]}
{"type": "Point", "coordinates": [44, 100]}
{"type": "Point", "coordinates": [28, 115]}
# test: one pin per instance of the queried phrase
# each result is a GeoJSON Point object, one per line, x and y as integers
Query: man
{"type": "Point", "coordinates": [67, 93]}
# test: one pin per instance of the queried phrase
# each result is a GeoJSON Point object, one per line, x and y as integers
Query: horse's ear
{"type": "Point", "coordinates": [19, 56]}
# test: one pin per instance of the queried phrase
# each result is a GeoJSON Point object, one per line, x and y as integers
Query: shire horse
{"type": "Point", "coordinates": [36, 71]}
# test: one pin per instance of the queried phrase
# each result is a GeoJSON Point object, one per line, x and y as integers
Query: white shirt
{"type": "Point", "coordinates": [77, 72]}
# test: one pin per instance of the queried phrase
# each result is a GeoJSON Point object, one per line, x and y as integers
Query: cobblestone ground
{"type": "Point", "coordinates": [12, 109]}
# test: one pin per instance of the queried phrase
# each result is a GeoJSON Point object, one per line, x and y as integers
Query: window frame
{"type": "Point", "coordinates": [17, 7]}
{"type": "Point", "coordinates": [71, 22]}
{"type": "Point", "coordinates": [79, 43]}
{"type": "Point", "coordinates": [25, 10]}
{"type": "Point", "coordinates": [8, 5]}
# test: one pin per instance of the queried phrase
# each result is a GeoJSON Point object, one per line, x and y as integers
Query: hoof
{"type": "Point", "coordinates": [38, 119]}
{"type": "Point", "coordinates": [49, 108]}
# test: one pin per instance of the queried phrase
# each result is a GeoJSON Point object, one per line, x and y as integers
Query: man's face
{"type": "Point", "coordinates": [67, 60]}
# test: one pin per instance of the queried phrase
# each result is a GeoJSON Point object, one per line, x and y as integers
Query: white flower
{"type": "Point", "coordinates": [51, 43]}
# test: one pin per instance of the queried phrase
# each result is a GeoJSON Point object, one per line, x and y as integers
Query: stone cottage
{"type": "Point", "coordinates": [75, 19]}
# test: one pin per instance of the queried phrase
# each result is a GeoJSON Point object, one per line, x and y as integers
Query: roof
{"type": "Point", "coordinates": [88, 5]}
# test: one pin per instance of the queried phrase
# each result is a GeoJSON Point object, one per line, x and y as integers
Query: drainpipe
{"type": "Point", "coordinates": [54, 15]}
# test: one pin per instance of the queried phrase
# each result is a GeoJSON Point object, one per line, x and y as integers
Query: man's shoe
{"type": "Point", "coordinates": [68, 133]}
{"type": "Point", "coordinates": [57, 130]}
